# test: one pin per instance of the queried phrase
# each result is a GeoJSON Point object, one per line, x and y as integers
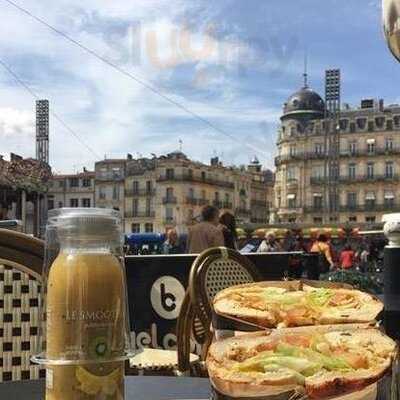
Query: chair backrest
{"type": "Point", "coordinates": [214, 270]}
{"type": "Point", "coordinates": [21, 261]}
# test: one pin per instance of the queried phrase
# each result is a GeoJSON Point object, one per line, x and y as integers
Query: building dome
{"type": "Point", "coordinates": [305, 101]}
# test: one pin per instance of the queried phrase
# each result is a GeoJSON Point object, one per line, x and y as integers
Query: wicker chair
{"type": "Point", "coordinates": [21, 261]}
{"type": "Point", "coordinates": [213, 270]}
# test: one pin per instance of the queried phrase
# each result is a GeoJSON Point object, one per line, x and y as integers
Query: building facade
{"type": "Point", "coordinates": [72, 190]}
{"type": "Point", "coordinates": [367, 171]}
{"type": "Point", "coordinates": [110, 184]}
{"type": "Point", "coordinates": [170, 191]}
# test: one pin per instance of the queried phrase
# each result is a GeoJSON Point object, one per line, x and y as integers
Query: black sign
{"type": "Point", "coordinates": [156, 288]}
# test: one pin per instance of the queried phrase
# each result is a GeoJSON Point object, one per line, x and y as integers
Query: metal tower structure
{"type": "Point", "coordinates": [42, 130]}
{"type": "Point", "coordinates": [332, 142]}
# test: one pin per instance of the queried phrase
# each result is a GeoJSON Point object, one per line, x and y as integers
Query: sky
{"type": "Point", "coordinates": [232, 63]}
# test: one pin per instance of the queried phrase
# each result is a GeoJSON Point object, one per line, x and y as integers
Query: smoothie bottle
{"type": "Point", "coordinates": [85, 311]}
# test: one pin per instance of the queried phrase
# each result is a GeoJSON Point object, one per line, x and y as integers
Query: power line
{"type": "Point", "coordinates": [54, 115]}
{"type": "Point", "coordinates": [133, 77]}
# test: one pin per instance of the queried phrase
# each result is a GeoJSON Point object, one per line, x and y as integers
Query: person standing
{"type": "Point", "coordinates": [347, 257]}
{"type": "Point", "coordinates": [269, 244]}
{"type": "Point", "coordinates": [322, 248]}
{"type": "Point", "coordinates": [171, 245]}
{"type": "Point", "coordinates": [205, 234]}
{"type": "Point", "coordinates": [228, 226]}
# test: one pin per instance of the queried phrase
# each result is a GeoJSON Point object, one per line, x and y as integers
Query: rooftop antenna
{"type": "Point", "coordinates": [305, 74]}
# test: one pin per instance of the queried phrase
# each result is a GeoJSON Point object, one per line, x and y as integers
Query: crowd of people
{"type": "Point", "coordinates": [361, 254]}
{"type": "Point", "coordinates": [217, 229]}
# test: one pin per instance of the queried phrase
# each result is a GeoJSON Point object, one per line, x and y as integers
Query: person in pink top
{"type": "Point", "coordinates": [347, 258]}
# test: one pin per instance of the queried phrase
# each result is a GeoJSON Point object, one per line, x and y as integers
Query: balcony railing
{"type": "Point", "coordinates": [357, 179]}
{"type": "Point", "coordinates": [169, 221]}
{"type": "Point", "coordinates": [192, 201]}
{"type": "Point", "coordinates": [301, 156]}
{"type": "Point", "coordinates": [227, 204]}
{"type": "Point", "coordinates": [195, 179]}
{"type": "Point", "coordinates": [139, 214]}
{"type": "Point", "coordinates": [139, 192]}
{"type": "Point", "coordinates": [109, 176]}
{"type": "Point", "coordinates": [169, 200]}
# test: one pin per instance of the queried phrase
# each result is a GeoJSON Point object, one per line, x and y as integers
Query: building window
{"type": "Point", "coordinates": [60, 204]}
{"type": "Point", "coordinates": [351, 200]}
{"type": "Point", "coordinates": [370, 170]}
{"type": "Point", "coordinates": [135, 228]}
{"type": "Point", "coordinates": [370, 200]}
{"type": "Point", "coordinates": [317, 171]}
{"type": "Point", "coordinates": [389, 199]}
{"type": "Point", "coordinates": [135, 187]}
{"type": "Point", "coordinates": [389, 144]}
{"type": "Point", "coordinates": [353, 219]}
{"type": "Point", "coordinates": [352, 171]}
{"type": "Point", "coordinates": [370, 220]}
{"type": "Point", "coordinates": [203, 194]}
{"type": "Point", "coordinates": [361, 123]}
{"type": "Point", "coordinates": [389, 125]}
{"type": "Point", "coordinates": [170, 173]}
{"type": "Point", "coordinates": [396, 120]}
{"type": "Point", "coordinates": [371, 146]}
{"type": "Point", "coordinates": [317, 201]}
{"type": "Point", "coordinates": [291, 200]}
{"type": "Point", "coordinates": [190, 173]}
{"type": "Point", "coordinates": [343, 123]}
{"type": "Point", "coordinates": [352, 148]}
{"type": "Point", "coordinates": [148, 187]}
{"type": "Point", "coordinates": [290, 173]}
{"type": "Point", "coordinates": [380, 121]}
{"type": "Point", "coordinates": [73, 182]}
{"type": "Point", "coordinates": [115, 192]}
{"type": "Point", "coordinates": [135, 207]}
{"type": "Point", "coordinates": [317, 220]}
{"type": "Point", "coordinates": [85, 202]}
{"type": "Point", "coordinates": [169, 214]}
{"type": "Point", "coordinates": [102, 192]}
{"type": "Point", "coordinates": [389, 169]}
{"type": "Point", "coordinates": [50, 204]}
{"type": "Point", "coordinates": [203, 176]}
{"type": "Point", "coordinates": [318, 148]}
{"type": "Point", "coordinates": [61, 184]}
{"type": "Point", "coordinates": [148, 227]}
{"type": "Point", "coordinates": [292, 150]}
{"type": "Point", "coordinates": [169, 193]}
{"type": "Point", "coordinates": [86, 182]}
{"type": "Point", "coordinates": [148, 207]}
{"type": "Point", "coordinates": [191, 193]}
{"type": "Point", "coordinates": [74, 202]}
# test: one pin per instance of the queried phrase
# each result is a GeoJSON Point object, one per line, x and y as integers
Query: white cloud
{"type": "Point", "coordinates": [16, 123]}
{"type": "Point", "coordinates": [111, 112]}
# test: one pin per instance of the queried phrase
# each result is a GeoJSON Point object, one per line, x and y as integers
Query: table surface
{"type": "Point", "coordinates": [136, 388]}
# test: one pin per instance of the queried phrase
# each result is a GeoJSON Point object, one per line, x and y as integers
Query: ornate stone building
{"type": "Point", "coordinates": [169, 191]}
{"type": "Point", "coordinates": [368, 167]}
{"type": "Point", "coordinates": [72, 190]}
